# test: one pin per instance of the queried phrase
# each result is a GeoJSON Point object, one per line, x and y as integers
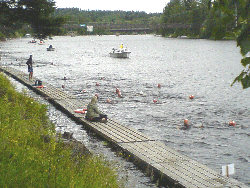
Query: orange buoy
{"type": "Point", "coordinates": [97, 84]}
{"type": "Point", "coordinates": [108, 100]}
{"type": "Point", "coordinates": [159, 85]}
{"type": "Point", "coordinates": [232, 123]}
{"type": "Point", "coordinates": [155, 101]}
{"type": "Point", "coordinates": [191, 96]}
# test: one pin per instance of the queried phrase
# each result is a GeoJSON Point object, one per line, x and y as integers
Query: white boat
{"type": "Point", "coordinates": [41, 42]}
{"type": "Point", "coordinates": [28, 35]}
{"type": "Point", "coordinates": [120, 53]}
{"type": "Point", "coordinates": [33, 41]}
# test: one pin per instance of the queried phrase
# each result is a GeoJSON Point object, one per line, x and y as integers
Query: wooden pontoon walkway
{"type": "Point", "coordinates": [176, 169]}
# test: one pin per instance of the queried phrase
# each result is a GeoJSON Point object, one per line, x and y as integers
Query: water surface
{"type": "Point", "coordinates": [183, 67]}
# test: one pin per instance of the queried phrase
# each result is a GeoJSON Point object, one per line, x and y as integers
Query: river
{"type": "Point", "coordinates": [183, 67]}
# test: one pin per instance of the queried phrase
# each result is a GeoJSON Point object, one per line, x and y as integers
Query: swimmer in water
{"type": "Point", "coordinates": [186, 125]}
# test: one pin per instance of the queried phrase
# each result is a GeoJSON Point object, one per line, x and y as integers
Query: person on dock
{"type": "Point", "coordinates": [93, 114]}
{"type": "Point", "coordinates": [30, 67]}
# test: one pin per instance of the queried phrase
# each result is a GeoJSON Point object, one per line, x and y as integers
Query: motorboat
{"type": "Point", "coordinates": [119, 53]}
{"type": "Point", "coordinates": [50, 48]}
{"type": "Point", "coordinates": [33, 41]}
{"type": "Point", "coordinates": [41, 42]}
{"type": "Point", "coordinates": [28, 35]}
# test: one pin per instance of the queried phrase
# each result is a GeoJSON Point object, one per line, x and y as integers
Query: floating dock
{"type": "Point", "coordinates": [175, 169]}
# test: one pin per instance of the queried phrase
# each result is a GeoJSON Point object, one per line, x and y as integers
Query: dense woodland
{"type": "Point", "coordinates": [193, 18]}
{"type": "Point", "coordinates": [199, 18]}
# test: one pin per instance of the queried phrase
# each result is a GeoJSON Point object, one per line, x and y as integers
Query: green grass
{"type": "Point", "coordinates": [27, 161]}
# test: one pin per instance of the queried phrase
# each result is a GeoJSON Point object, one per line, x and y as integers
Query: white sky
{"type": "Point", "coordinates": [149, 6]}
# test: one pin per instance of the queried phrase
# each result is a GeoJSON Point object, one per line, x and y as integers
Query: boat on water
{"type": "Point", "coordinates": [33, 41]}
{"type": "Point", "coordinates": [27, 35]}
{"type": "Point", "coordinates": [41, 42]}
{"type": "Point", "coordinates": [50, 48]}
{"type": "Point", "coordinates": [119, 53]}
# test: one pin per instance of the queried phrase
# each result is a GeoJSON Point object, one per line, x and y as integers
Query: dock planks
{"type": "Point", "coordinates": [177, 169]}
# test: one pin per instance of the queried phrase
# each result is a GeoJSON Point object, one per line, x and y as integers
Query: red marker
{"type": "Point", "coordinates": [191, 96]}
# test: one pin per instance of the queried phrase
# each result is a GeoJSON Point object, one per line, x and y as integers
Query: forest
{"type": "Point", "coordinates": [104, 21]}
{"type": "Point", "coordinates": [199, 19]}
{"type": "Point", "coordinates": [193, 18]}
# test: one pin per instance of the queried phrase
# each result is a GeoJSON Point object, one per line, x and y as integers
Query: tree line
{"type": "Point", "coordinates": [41, 18]}
{"type": "Point", "coordinates": [86, 16]}
{"type": "Point", "coordinates": [199, 19]}
{"type": "Point", "coordinates": [218, 19]}
{"type": "Point", "coordinates": [17, 17]}
{"type": "Point", "coordinates": [103, 21]}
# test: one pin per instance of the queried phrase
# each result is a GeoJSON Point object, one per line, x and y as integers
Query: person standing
{"type": "Point", "coordinates": [30, 67]}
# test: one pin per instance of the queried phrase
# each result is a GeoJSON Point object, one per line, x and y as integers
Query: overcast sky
{"type": "Point", "coordinates": [149, 6]}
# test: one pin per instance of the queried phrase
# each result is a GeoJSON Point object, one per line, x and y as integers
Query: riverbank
{"type": "Point", "coordinates": [32, 157]}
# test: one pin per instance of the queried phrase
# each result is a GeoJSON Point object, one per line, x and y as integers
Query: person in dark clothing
{"type": "Point", "coordinates": [93, 114]}
{"type": "Point", "coordinates": [30, 67]}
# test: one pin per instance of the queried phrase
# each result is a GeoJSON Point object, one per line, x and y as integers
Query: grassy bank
{"type": "Point", "coordinates": [27, 159]}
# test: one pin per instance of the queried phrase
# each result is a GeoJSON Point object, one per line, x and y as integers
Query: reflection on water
{"type": "Point", "coordinates": [183, 67]}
